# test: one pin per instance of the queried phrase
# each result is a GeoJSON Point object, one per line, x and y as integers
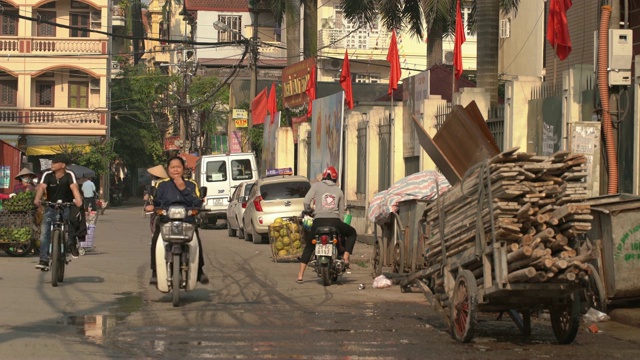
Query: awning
{"type": "Point", "coordinates": [47, 150]}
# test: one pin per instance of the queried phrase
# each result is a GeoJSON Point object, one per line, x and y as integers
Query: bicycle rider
{"type": "Point", "coordinates": [58, 183]}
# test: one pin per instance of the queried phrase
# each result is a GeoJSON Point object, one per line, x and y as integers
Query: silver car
{"type": "Point", "coordinates": [237, 203]}
{"type": "Point", "coordinates": [271, 198]}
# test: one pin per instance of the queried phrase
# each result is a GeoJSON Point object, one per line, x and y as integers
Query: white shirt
{"type": "Point", "coordinates": [88, 189]}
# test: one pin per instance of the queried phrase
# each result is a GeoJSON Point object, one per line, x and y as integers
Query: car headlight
{"type": "Point", "coordinates": [177, 212]}
{"type": "Point", "coordinates": [177, 230]}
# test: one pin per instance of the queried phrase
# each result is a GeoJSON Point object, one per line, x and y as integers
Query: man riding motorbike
{"type": "Point", "coordinates": [329, 209]}
{"type": "Point", "coordinates": [175, 190]}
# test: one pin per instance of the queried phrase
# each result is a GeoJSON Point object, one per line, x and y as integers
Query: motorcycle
{"type": "Point", "coordinates": [177, 251]}
{"type": "Point", "coordinates": [326, 260]}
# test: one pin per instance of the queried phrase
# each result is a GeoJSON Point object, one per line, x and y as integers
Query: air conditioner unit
{"type": "Point", "coordinates": [447, 57]}
{"type": "Point", "coordinates": [335, 64]}
{"type": "Point", "coordinates": [94, 84]}
{"type": "Point", "coordinates": [505, 28]}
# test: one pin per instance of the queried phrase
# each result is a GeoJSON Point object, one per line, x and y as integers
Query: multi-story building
{"type": "Point", "coordinates": [53, 76]}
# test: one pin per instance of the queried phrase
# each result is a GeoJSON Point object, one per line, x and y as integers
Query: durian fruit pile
{"type": "Point", "coordinates": [285, 238]}
{"type": "Point", "coordinates": [20, 202]}
{"type": "Point", "coordinates": [20, 234]}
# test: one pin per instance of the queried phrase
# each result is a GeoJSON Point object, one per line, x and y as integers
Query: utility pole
{"type": "Point", "coordinates": [253, 47]}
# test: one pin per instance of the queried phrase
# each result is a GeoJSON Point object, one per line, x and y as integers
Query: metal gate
{"type": "Point", "coordinates": [495, 122]}
{"type": "Point", "coordinates": [361, 170]}
{"type": "Point", "coordinates": [384, 160]}
{"type": "Point", "coordinates": [544, 120]}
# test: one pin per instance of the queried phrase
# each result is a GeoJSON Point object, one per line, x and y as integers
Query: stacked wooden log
{"type": "Point", "coordinates": [533, 204]}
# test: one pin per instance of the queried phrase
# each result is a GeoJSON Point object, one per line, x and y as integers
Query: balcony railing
{"type": "Point", "coordinates": [361, 39]}
{"type": "Point", "coordinates": [80, 45]}
{"type": "Point", "coordinates": [9, 117]}
{"type": "Point", "coordinates": [65, 117]}
{"type": "Point", "coordinates": [9, 46]}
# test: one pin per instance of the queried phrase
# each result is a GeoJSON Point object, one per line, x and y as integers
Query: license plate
{"type": "Point", "coordinates": [324, 250]}
{"type": "Point", "coordinates": [217, 202]}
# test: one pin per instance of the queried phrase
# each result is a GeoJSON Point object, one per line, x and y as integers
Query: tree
{"type": "Point", "coordinates": [209, 104]}
{"type": "Point", "coordinates": [139, 97]}
{"type": "Point", "coordinates": [439, 17]}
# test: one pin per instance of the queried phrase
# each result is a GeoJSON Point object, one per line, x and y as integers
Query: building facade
{"type": "Point", "coordinates": [53, 78]}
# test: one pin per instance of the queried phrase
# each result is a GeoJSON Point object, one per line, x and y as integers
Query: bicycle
{"type": "Point", "coordinates": [58, 244]}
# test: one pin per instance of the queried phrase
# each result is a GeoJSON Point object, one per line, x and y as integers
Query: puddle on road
{"type": "Point", "coordinates": [96, 327]}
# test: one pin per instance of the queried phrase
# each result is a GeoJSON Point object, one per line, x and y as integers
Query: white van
{"type": "Point", "coordinates": [221, 174]}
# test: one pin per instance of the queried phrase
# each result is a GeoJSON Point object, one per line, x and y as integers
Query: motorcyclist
{"type": "Point", "coordinates": [329, 209]}
{"type": "Point", "coordinates": [175, 190]}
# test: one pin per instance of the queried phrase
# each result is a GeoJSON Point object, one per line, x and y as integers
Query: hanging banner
{"type": "Point", "coordinates": [326, 135]}
{"type": "Point", "coordinates": [269, 142]}
{"type": "Point", "coordinates": [235, 141]}
{"type": "Point", "coordinates": [294, 82]}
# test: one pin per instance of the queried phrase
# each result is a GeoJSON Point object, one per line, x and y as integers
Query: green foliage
{"type": "Point", "coordinates": [210, 98]}
{"type": "Point", "coordinates": [99, 156]}
{"type": "Point", "coordinates": [137, 95]}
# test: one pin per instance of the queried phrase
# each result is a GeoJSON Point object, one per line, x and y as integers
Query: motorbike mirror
{"type": "Point", "coordinates": [203, 191]}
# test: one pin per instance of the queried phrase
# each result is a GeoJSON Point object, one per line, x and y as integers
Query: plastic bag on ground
{"type": "Point", "coordinates": [594, 315]}
{"type": "Point", "coordinates": [381, 282]}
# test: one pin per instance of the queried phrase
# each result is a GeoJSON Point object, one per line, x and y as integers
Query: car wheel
{"type": "Point", "coordinates": [231, 231]}
{"type": "Point", "coordinates": [257, 238]}
{"type": "Point", "coordinates": [246, 234]}
{"type": "Point", "coordinates": [240, 231]}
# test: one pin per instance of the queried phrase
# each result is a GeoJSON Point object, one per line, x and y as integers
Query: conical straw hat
{"type": "Point", "coordinates": [158, 171]}
{"type": "Point", "coordinates": [23, 172]}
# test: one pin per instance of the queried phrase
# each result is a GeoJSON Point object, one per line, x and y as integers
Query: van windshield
{"type": "Point", "coordinates": [241, 169]}
{"type": "Point", "coordinates": [216, 171]}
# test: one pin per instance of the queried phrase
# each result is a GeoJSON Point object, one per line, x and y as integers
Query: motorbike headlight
{"type": "Point", "coordinates": [177, 212]}
{"type": "Point", "coordinates": [177, 230]}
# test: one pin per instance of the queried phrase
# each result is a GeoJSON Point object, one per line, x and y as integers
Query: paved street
{"type": "Point", "coordinates": [251, 309]}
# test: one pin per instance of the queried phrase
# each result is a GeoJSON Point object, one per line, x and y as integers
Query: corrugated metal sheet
{"type": "Point", "coordinates": [10, 156]}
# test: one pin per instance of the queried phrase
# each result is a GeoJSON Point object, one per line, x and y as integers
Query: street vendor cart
{"type": "Point", "coordinates": [19, 225]}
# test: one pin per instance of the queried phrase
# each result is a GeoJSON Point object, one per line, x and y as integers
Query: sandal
{"type": "Point", "coordinates": [300, 281]}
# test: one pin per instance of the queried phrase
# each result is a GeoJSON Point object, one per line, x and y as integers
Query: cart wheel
{"type": "Point", "coordinates": [464, 307]}
{"type": "Point", "coordinates": [565, 320]}
{"type": "Point", "coordinates": [18, 249]}
{"type": "Point", "coordinates": [596, 296]}
{"type": "Point", "coordinates": [81, 251]}
{"type": "Point", "coordinates": [398, 257]}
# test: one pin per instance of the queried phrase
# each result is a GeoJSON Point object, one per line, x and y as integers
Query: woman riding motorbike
{"type": "Point", "coordinates": [175, 190]}
{"type": "Point", "coordinates": [329, 209]}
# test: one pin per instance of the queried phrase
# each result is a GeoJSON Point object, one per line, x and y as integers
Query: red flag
{"type": "Point", "coordinates": [272, 104]}
{"type": "Point", "coordinates": [345, 81]}
{"type": "Point", "coordinates": [558, 29]}
{"type": "Point", "coordinates": [311, 90]}
{"type": "Point", "coordinates": [460, 39]}
{"type": "Point", "coordinates": [259, 108]}
{"type": "Point", "coordinates": [394, 61]}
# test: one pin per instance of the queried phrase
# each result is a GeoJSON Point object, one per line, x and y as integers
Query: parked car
{"type": "Point", "coordinates": [237, 204]}
{"type": "Point", "coordinates": [270, 198]}
{"type": "Point", "coordinates": [220, 174]}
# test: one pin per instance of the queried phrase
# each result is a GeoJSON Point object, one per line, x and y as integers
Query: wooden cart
{"type": "Point", "coordinates": [497, 243]}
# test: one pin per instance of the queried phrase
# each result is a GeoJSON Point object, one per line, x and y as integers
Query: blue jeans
{"type": "Point", "coordinates": [48, 218]}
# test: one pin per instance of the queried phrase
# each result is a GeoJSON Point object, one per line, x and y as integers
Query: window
{"type": "Point", "coordinates": [216, 171]}
{"type": "Point", "coordinates": [8, 92]}
{"type": "Point", "coordinates": [46, 29]}
{"type": "Point", "coordinates": [241, 169]}
{"type": "Point", "coordinates": [234, 23]}
{"type": "Point", "coordinates": [44, 93]}
{"type": "Point", "coordinates": [284, 190]}
{"type": "Point", "coordinates": [163, 29]}
{"type": "Point", "coordinates": [78, 95]}
{"type": "Point", "coordinates": [79, 20]}
{"type": "Point", "coordinates": [9, 24]}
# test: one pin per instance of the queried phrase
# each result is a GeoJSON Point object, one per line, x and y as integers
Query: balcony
{"type": "Point", "coordinates": [118, 16]}
{"type": "Point", "coordinates": [361, 39]}
{"type": "Point", "coordinates": [9, 46]}
{"type": "Point", "coordinates": [40, 121]}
